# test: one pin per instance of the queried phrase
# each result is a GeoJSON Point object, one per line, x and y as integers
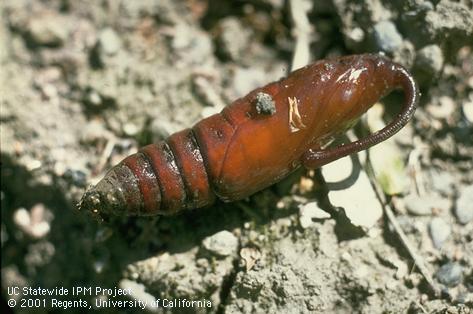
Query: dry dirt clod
{"type": "Point", "coordinates": [222, 244]}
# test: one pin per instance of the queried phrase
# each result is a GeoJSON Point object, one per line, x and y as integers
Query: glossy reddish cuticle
{"type": "Point", "coordinates": [256, 140]}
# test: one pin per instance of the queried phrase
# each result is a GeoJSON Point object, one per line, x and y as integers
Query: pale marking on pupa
{"type": "Point", "coordinates": [354, 74]}
{"type": "Point", "coordinates": [295, 120]}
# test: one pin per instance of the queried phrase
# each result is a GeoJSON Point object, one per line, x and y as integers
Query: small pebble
{"type": "Point", "coordinates": [430, 59]}
{"type": "Point", "coordinates": [464, 205]}
{"type": "Point", "coordinates": [222, 244]}
{"type": "Point", "coordinates": [355, 36]}
{"type": "Point", "coordinates": [130, 129]}
{"type": "Point", "coordinates": [439, 231]}
{"type": "Point", "coordinates": [467, 108]}
{"type": "Point", "coordinates": [94, 98]}
{"type": "Point", "coordinates": [35, 222]}
{"type": "Point", "coordinates": [386, 36]}
{"type": "Point", "coordinates": [416, 205]}
{"type": "Point", "coordinates": [48, 29]}
{"type": "Point", "coordinates": [109, 42]}
{"type": "Point", "coordinates": [450, 274]}
{"type": "Point", "coordinates": [21, 217]}
{"type": "Point", "coordinates": [443, 182]}
{"type": "Point", "coordinates": [32, 164]}
{"type": "Point", "coordinates": [423, 206]}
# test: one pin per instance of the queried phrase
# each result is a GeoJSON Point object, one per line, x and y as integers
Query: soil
{"type": "Point", "coordinates": [86, 83]}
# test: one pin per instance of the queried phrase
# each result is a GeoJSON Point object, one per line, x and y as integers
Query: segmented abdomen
{"type": "Point", "coordinates": [170, 176]}
{"type": "Point", "coordinates": [244, 149]}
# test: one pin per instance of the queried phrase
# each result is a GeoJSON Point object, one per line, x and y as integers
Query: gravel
{"type": "Point", "coordinates": [426, 204]}
{"type": "Point", "coordinates": [386, 36]}
{"type": "Point", "coordinates": [109, 43]}
{"type": "Point", "coordinates": [450, 274]}
{"type": "Point", "coordinates": [429, 62]}
{"type": "Point", "coordinates": [464, 205]}
{"type": "Point", "coordinates": [48, 29]}
{"type": "Point", "coordinates": [442, 182]}
{"type": "Point", "coordinates": [439, 231]}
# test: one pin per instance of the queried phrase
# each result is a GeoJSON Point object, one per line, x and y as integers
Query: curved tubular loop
{"type": "Point", "coordinates": [313, 158]}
